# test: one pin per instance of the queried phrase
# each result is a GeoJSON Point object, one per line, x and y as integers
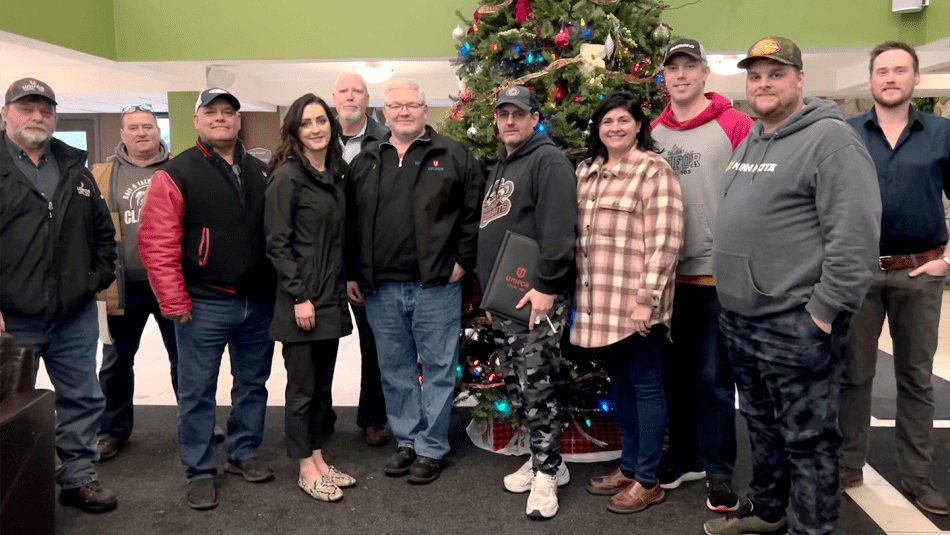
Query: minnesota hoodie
{"type": "Point", "coordinates": [799, 218]}
{"type": "Point", "coordinates": [533, 192]}
{"type": "Point", "coordinates": [698, 150]}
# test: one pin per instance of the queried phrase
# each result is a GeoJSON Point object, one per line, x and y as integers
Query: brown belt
{"type": "Point", "coordinates": [700, 280]}
{"type": "Point", "coordinates": [907, 261]}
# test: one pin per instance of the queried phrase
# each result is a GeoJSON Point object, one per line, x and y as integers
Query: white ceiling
{"type": "Point", "coordinates": [89, 84]}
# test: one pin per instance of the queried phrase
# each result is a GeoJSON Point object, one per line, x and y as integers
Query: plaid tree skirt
{"type": "Point", "coordinates": [592, 437]}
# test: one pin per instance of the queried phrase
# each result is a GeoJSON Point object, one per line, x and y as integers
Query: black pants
{"type": "Point", "coordinates": [116, 376]}
{"type": "Point", "coordinates": [309, 381]}
{"type": "Point", "coordinates": [372, 405]}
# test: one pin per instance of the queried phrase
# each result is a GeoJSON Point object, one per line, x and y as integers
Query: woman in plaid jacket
{"type": "Point", "coordinates": [630, 219]}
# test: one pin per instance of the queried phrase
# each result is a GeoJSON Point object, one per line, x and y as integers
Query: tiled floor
{"type": "Point", "coordinates": [885, 504]}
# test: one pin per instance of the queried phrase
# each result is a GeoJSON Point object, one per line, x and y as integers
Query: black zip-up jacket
{"type": "Point", "coordinates": [55, 255]}
{"type": "Point", "coordinates": [200, 234]}
{"type": "Point", "coordinates": [445, 210]}
{"type": "Point", "coordinates": [304, 220]}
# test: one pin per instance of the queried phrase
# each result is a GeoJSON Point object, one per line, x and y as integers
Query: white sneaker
{"type": "Point", "coordinates": [542, 502]}
{"type": "Point", "coordinates": [520, 481]}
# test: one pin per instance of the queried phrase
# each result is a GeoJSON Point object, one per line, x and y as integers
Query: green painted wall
{"type": "Point", "coordinates": [84, 25]}
{"type": "Point", "coordinates": [291, 29]}
{"type": "Point", "coordinates": [176, 30]}
{"type": "Point", "coordinates": [181, 111]}
{"type": "Point", "coordinates": [736, 24]}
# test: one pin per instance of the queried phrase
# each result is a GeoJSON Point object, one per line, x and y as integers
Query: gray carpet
{"type": "Point", "coordinates": [467, 498]}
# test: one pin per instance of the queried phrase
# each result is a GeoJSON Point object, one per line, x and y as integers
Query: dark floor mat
{"type": "Point", "coordinates": [884, 393]}
{"type": "Point", "coordinates": [467, 498]}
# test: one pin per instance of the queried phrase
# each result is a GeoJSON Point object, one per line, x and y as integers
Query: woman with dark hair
{"type": "Point", "coordinates": [304, 220]}
{"type": "Point", "coordinates": [630, 223]}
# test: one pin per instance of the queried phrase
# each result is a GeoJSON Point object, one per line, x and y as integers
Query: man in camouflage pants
{"type": "Point", "coordinates": [532, 192]}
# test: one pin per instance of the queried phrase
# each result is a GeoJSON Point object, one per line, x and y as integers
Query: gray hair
{"type": "Point", "coordinates": [405, 84]}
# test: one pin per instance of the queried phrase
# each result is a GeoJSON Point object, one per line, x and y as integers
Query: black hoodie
{"type": "Point", "coordinates": [533, 193]}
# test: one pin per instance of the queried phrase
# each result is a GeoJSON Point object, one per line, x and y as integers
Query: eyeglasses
{"type": "Point", "coordinates": [399, 107]}
{"type": "Point", "coordinates": [137, 107]}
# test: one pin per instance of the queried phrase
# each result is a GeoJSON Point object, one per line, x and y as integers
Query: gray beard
{"type": "Point", "coordinates": [34, 138]}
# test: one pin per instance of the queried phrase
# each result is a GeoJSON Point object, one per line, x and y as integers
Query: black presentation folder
{"type": "Point", "coordinates": [511, 277]}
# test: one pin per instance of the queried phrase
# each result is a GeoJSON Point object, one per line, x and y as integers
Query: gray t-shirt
{"type": "Point", "coordinates": [128, 196]}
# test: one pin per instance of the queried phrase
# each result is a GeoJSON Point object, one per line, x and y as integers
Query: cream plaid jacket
{"type": "Point", "coordinates": [630, 230]}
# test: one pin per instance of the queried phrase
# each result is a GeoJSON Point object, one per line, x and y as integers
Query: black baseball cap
{"type": "Point", "coordinates": [780, 49]}
{"type": "Point", "coordinates": [208, 95]}
{"type": "Point", "coordinates": [518, 95]}
{"type": "Point", "coordinates": [29, 86]}
{"type": "Point", "coordinates": [690, 47]}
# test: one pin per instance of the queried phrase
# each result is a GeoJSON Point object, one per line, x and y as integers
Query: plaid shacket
{"type": "Point", "coordinates": [630, 230]}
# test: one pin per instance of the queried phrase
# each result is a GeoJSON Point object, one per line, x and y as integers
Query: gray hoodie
{"type": "Point", "coordinates": [799, 218]}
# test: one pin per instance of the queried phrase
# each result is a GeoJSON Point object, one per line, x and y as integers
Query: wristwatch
{"type": "Point", "coordinates": [945, 259]}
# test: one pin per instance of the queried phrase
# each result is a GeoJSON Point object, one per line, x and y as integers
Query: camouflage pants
{"type": "Point", "coordinates": [788, 374]}
{"type": "Point", "coordinates": [527, 360]}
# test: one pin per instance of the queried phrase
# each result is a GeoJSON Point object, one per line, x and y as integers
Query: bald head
{"type": "Point", "coordinates": [351, 98]}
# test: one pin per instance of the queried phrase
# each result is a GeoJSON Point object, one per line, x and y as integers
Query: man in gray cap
{"type": "Point", "coordinates": [795, 242]}
{"type": "Point", "coordinates": [532, 191]}
{"type": "Point", "coordinates": [60, 250]}
{"type": "Point", "coordinates": [202, 242]}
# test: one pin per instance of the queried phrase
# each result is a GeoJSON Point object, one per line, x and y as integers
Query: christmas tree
{"type": "Point", "coordinates": [571, 54]}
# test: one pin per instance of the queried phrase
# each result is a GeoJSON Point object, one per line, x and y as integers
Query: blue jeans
{"type": "Point", "coordinates": [700, 393]}
{"type": "Point", "coordinates": [116, 377]}
{"type": "Point", "coordinates": [68, 348]}
{"type": "Point", "coordinates": [636, 383]}
{"type": "Point", "coordinates": [410, 322]}
{"type": "Point", "coordinates": [242, 325]}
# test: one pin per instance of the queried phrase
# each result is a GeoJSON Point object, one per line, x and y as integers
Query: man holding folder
{"type": "Point", "coordinates": [532, 192]}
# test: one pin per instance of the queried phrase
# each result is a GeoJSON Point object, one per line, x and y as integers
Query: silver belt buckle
{"type": "Point", "coordinates": [880, 261]}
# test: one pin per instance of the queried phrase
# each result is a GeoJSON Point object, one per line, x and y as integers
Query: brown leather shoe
{"type": "Point", "coordinates": [377, 435]}
{"type": "Point", "coordinates": [109, 447]}
{"type": "Point", "coordinates": [635, 498]}
{"type": "Point", "coordinates": [609, 484]}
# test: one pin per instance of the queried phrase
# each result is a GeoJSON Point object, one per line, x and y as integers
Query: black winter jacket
{"type": "Point", "coordinates": [445, 209]}
{"type": "Point", "coordinates": [55, 255]}
{"type": "Point", "coordinates": [304, 221]}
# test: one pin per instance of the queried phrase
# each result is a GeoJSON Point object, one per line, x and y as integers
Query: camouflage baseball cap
{"type": "Point", "coordinates": [780, 49]}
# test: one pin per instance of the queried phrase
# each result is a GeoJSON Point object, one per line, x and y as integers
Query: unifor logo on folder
{"type": "Point", "coordinates": [511, 277]}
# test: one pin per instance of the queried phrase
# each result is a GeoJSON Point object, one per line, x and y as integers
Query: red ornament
{"type": "Point", "coordinates": [523, 11]}
{"type": "Point", "coordinates": [577, 98]}
{"type": "Point", "coordinates": [457, 114]}
{"type": "Point", "coordinates": [562, 39]}
{"type": "Point", "coordinates": [468, 95]}
{"type": "Point", "coordinates": [560, 92]}
{"type": "Point", "coordinates": [478, 17]}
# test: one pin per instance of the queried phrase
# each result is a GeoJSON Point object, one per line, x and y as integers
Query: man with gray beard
{"type": "Point", "coordinates": [351, 98]}
{"type": "Point", "coordinates": [60, 250]}
{"type": "Point", "coordinates": [123, 181]}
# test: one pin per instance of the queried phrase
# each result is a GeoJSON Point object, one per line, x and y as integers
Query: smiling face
{"type": "Point", "coordinates": [774, 91]}
{"type": "Point", "coordinates": [350, 97]}
{"type": "Point", "coordinates": [618, 132]}
{"type": "Point", "coordinates": [893, 78]}
{"type": "Point", "coordinates": [314, 131]}
{"type": "Point", "coordinates": [30, 121]}
{"type": "Point", "coordinates": [515, 126]}
{"type": "Point", "coordinates": [140, 134]}
{"type": "Point", "coordinates": [406, 113]}
{"type": "Point", "coordinates": [218, 122]}
{"type": "Point", "coordinates": [685, 78]}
